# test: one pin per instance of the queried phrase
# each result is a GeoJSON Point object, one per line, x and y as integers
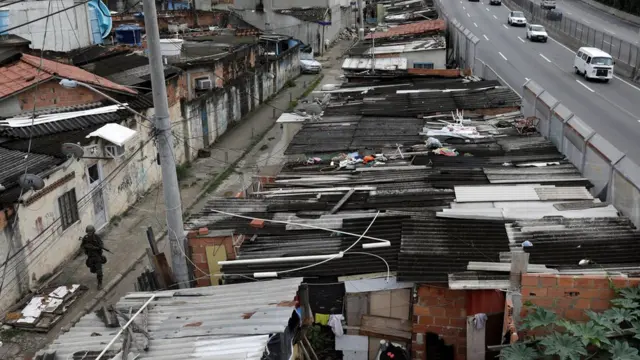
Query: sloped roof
{"type": "Point", "coordinates": [28, 71]}
{"type": "Point", "coordinates": [229, 321]}
{"type": "Point", "coordinates": [416, 28]}
{"type": "Point", "coordinates": [312, 14]}
{"type": "Point", "coordinates": [13, 164]}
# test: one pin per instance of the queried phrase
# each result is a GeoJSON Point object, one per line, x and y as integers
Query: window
{"type": "Point", "coordinates": [584, 57]}
{"type": "Point", "coordinates": [68, 209]}
{"type": "Point", "coordinates": [589, 60]}
{"type": "Point", "coordinates": [426, 65]}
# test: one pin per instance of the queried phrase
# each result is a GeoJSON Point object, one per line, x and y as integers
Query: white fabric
{"type": "Point", "coordinates": [335, 321]}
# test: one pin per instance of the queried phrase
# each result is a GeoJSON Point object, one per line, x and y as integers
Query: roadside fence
{"type": "Point", "coordinates": [460, 41]}
{"type": "Point", "coordinates": [615, 177]}
{"type": "Point", "coordinates": [576, 34]}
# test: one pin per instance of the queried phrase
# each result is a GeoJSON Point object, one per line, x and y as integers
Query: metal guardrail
{"type": "Point", "coordinates": [460, 40]}
{"type": "Point", "coordinates": [576, 34]}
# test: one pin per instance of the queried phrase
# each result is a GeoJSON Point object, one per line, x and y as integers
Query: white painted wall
{"type": "Point", "coordinates": [437, 57]}
{"type": "Point", "coordinates": [65, 31]}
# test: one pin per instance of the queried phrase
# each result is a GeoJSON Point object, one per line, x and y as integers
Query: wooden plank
{"type": "Point", "coordinates": [342, 201]}
{"type": "Point", "coordinates": [386, 328]}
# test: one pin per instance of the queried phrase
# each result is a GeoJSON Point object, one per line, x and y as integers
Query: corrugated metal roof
{"type": "Point", "coordinates": [13, 164]}
{"type": "Point", "coordinates": [519, 192]}
{"type": "Point", "coordinates": [218, 322]}
{"type": "Point", "coordinates": [420, 27]}
{"type": "Point", "coordinates": [387, 64]}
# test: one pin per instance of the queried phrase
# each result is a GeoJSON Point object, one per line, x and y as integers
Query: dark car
{"type": "Point", "coordinates": [554, 15]}
{"type": "Point", "coordinates": [474, 0]}
{"type": "Point", "coordinates": [495, 2]}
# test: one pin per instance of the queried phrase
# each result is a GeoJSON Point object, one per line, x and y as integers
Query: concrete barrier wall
{"type": "Point", "coordinates": [615, 177]}
{"type": "Point", "coordinates": [461, 41]}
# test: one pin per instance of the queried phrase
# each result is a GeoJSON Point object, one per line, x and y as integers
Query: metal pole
{"type": "Point", "coordinates": [172, 201]}
{"type": "Point", "coordinates": [361, 28]}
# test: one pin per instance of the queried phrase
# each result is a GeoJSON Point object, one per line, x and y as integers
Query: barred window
{"type": "Point", "coordinates": [68, 208]}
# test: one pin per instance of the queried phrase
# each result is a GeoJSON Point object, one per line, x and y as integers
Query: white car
{"type": "Point", "coordinates": [308, 65]}
{"type": "Point", "coordinates": [537, 33]}
{"type": "Point", "coordinates": [516, 18]}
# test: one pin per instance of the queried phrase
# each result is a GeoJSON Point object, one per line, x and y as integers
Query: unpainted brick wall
{"type": "Point", "coordinates": [51, 95]}
{"type": "Point", "coordinates": [198, 244]}
{"type": "Point", "coordinates": [441, 311]}
{"type": "Point", "coordinates": [569, 296]}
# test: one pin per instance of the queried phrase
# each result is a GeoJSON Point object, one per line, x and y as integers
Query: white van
{"type": "Point", "coordinates": [593, 63]}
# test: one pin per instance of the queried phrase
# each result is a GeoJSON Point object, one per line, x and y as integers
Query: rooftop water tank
{"type": "Point", "coordinates": [4, 20]}
{"type": "Point", "coordinates": [130, 34]}
{"type": "Point", "coordinates": [103, 16]}
{"type": "Point", "coordinates": [171, 47]}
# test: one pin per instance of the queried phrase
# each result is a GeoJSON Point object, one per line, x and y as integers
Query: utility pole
{"type": "Point", "coordinates": [361, 28]}
{"type": "Point", "coordinates": [173, 204]}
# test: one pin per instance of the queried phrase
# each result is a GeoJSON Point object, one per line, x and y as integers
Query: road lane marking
{"type": "Point", "coordinates": [464, 8]}
{"type": "Point", "coordinates": [569, 13]}
{"type": "Point", "coordinates": [504, 57]}
{"type": "Point", "coordinates": [485, 36]}
{"type": "Point", "coordinates": [544, 57]}
{"type": "Point", "coordinates": [528, 80]}
{"type": "Point", "coordinates": [487, 9]}
{"type": "Point", "coordinates": [505, 26]}
{"type": "Point", "coordinates": [468, 15]}
{"type": "Point", "coordinates": [495, 17]}
{"type": "Point", "coordinates": [475, 24]}
{"type": "Point", "coordinates": [586, 21]}
{"type": "Point", "coordinates": [585, 86]}
{"type": "Point", "coordinates": [521, 39]}
{"type": "Point", "coordinates": [609, 31]}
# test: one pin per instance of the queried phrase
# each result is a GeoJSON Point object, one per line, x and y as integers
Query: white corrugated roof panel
{"type": "Point", "coordinates": [114, 133]}
{"type": "Point", "coordinates": [564, 193]}
{"type": "Point", "coordinates": [496, 193]}
{"type": "Point", "coordinates": [228, 322]}
{"type": "Point", "coordinates": [389, 64]}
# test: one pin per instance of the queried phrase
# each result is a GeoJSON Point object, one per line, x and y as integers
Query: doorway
{"type": "Point", "coordinates": [94, 174]}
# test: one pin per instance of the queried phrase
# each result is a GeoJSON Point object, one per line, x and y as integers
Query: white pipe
{"type": "Point", "coordinates": [268, 274]}
{"type": "Point", "coordinates": [125, 326]}
{"type": "Point", "coordinates": [376, 245]}
{"type": "Point", "coordinates": [281, 259]}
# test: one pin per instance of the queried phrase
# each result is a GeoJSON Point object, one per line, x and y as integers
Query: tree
{"type": "Point", "coordinates": [569, 340]}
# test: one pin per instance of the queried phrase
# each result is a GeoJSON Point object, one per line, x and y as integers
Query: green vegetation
{"type": "Point", "coordinates": [312, 86]}
{"type": "Point", "coordinates": [612, 334]}
{"type": "Point", "coordinates": [183, 171]}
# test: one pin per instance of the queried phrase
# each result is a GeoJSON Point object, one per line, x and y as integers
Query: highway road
{"type": "Point", "coordinates": [592, 27]}
{"type": "Point", "coordinates": [612, 109]}
{"type": "Point", "coordinates": [599, 20]}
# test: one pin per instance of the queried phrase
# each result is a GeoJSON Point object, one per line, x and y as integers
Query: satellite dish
{"type": "Point", "coordinates": [72, 150]}
{"type": "Point", "coordinates": [30, 182]}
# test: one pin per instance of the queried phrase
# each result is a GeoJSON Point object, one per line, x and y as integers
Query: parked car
{"type": "Point", "coordinates": [537, 33]}
{"type": "Point", "coordinates": [474, 0]}
{"type": "Point", "coordinates": [554, 15]}
{"type": "Point", "coordinates": [495, 2]}
{"type": "Point", "coordinates": [548, 4]}
{"type": "Point", "coordinates": [308, 65]}
{"type": "Point", "coordinates": [516, 18]}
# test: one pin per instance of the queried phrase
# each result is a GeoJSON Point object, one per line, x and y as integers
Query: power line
{"type": "Point", "coordinates": [45, 17]}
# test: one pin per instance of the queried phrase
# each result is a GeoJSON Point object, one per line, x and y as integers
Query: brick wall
{"type": "Point", "coordinates": [441, 311]}
{"type": "Point", "coordinates": [51, 95]}
{"type": "Point", "coordinates": [569, 296]}
{"type": "Point", "coordinates": [198, 244]}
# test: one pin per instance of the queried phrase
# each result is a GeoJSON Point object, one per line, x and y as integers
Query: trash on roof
{"type": "Point", "coordinates": [43, 310]}
{"type": "Point", "coordinates": [114, 133]}
{"type": "Point", "coordinates": [23, 121]}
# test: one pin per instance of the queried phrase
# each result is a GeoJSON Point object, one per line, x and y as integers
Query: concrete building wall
{"type": "Point", "coordinates": [437, 57]}
{"type": "Point", "coordinates": [228, 105]}
{"type": "Point", "coordinates": [65, 31]}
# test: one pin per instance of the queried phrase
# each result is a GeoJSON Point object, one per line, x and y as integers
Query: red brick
{"type": "Point", "coordinates": [441, 321]}
{"type": "Point", "coordinates": [426, 320]}
{"type": "Point", "coordinates": [438, 311]}
{"type": "Point", "coordinates": [535, 291]}
{"type": "Point", "coordinates": [459, 323]}
{"type": "Point", "coordinates": [575, 314]}
{"type": "Point", "coordinates": [198, 257]}
{"type": "Point", "coordinates": [583, 304]}
{"type": "Point", "coordinates": [530, 280]}
{"type": "Point", "coordinates": [565, 281]}
{"type": "Point", "coordinates": [555, 293]}
{"type": "Point", "coordinates": [421, 310]}
{"type": "Point", "coordinates": [424, 292]}
{"type": "Point", "coordinates": [547, 280]}
{"type": "Point", "coordinates": [620, 283]}
{"type": "Point", "coordinates": [599, 304]}
{"type": "Point", "coordinates": [634, 282]}
{"type": "Point", "coordinates": [203, 231]}
{"type": "Point", "coordinates": [583, 282]}
{"type": "Point", "coordinates": [542, 302]}
{"type": "Point", "coordinates": [418, 347]}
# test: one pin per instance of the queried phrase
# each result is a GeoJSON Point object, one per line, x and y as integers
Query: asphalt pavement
{"type": "Point", "coordinates": [599, 20]}
{"type": "Point", "coordinates": [611, 109]}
